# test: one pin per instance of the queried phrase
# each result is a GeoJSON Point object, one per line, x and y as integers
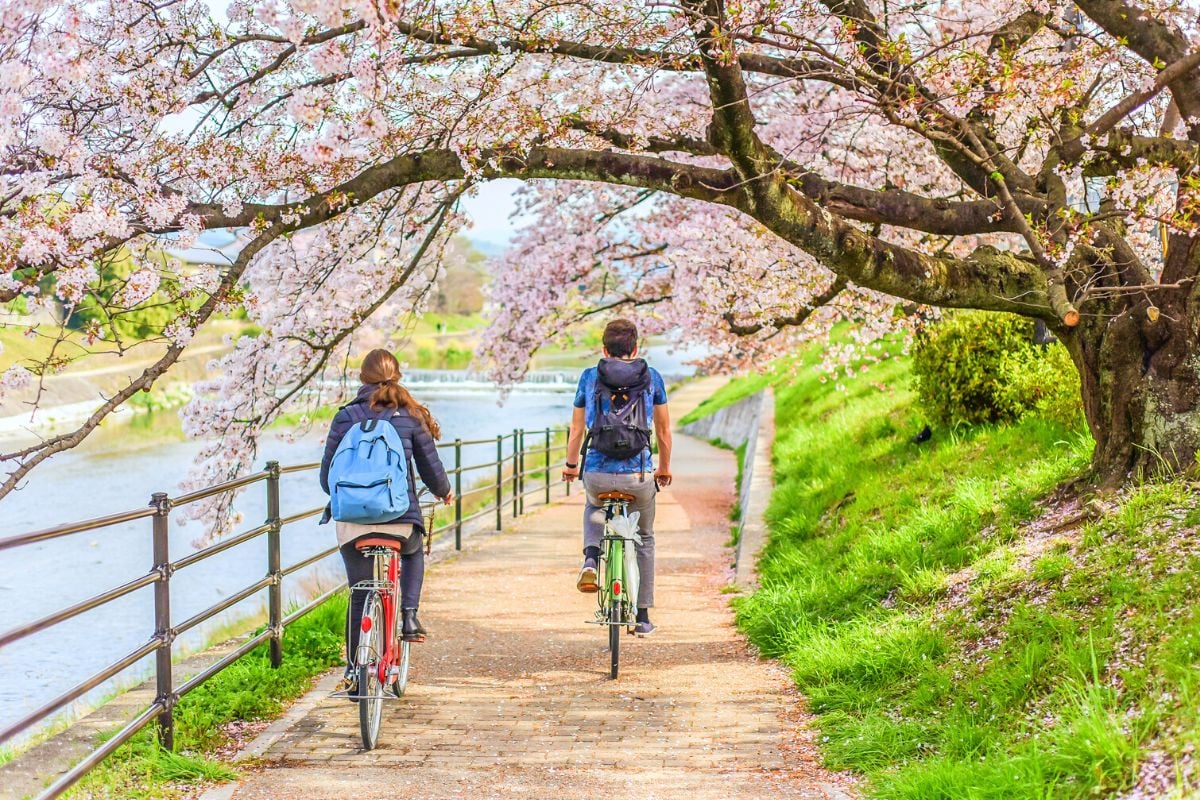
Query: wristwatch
{"type": "Point", "coordinates": [570, 466]}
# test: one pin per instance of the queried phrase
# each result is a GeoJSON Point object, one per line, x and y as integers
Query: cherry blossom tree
{"type": "Point", "coordinates": [747, 172]}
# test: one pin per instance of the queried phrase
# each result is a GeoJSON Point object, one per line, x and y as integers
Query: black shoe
{"type": "Point", "coordinates": [411, 627]}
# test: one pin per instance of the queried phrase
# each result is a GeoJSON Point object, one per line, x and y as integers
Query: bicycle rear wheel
{"type": "Point", "coordinates": [614, 636]}
{"type": "Point", "coordinates": [370, 688]}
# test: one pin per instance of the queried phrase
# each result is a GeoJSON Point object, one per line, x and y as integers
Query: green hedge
{"type": "Point", "coordinates": [978, 367]}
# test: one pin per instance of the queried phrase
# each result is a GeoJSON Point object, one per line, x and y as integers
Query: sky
{"type": "Point", "coordinates": [490, 209]}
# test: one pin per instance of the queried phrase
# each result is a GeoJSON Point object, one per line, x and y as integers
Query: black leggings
{"type": "Point", "coordinates": [361, 568]}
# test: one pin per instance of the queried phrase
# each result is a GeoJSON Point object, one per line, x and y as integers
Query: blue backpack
{"type": "Point", "coordinates": [368, 477]}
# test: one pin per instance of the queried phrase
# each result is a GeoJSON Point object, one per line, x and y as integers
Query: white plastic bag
{"type": "Point", "coordinates": [627, 528]}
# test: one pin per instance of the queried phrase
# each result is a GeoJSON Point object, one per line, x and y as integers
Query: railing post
{"type": "Point", "coordinates": [458, 494]}
{"type": "Point", "coordinates": [547, 466]}
{"type": "Point", "coordinates": [521, 504]}
{"type": "Point", "coordinates": [275, 590]}
{"type": "Point", "coordinates": [566, 455]}
{"type": "Point", "coordinates": [164, 686]}
{"type": "Point", "coordinates": [516, 476]}
{"type": "Point", "coordinates": [499, 483]}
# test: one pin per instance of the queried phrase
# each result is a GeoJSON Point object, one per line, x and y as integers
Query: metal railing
{"type": "Point", "coordinates": [511, 484]}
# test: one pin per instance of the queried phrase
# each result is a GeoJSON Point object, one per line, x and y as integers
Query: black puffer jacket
{"type": "Point", "coordinates": [419, 447]}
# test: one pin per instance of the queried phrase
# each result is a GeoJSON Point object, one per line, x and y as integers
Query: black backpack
{"type": "Point", "coordinates": [623, 431]}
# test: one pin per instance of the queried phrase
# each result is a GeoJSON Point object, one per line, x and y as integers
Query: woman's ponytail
{"type": "Point", "coordinates": [407, 401]}
{"type": "Point", "coordinates": [381, 369]}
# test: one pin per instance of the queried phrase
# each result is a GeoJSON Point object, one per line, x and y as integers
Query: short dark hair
{"type": "Point", "coordinates": [620, 338]}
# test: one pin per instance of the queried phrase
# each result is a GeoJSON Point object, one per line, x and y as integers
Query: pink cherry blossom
{"type": "Point", "coordinates": [743, 175]}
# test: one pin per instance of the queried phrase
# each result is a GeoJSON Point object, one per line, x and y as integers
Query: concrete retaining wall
{"type": "Point", "coordinates": [733, 424]}
{"type": "Point", "coordinates": [750, 421]}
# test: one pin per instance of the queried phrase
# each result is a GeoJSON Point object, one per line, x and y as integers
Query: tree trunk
{"type": "Point", "coordinates": [1141, 390]}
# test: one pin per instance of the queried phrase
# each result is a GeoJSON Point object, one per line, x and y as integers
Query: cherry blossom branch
{"type": "Point", "coordinates": [887, 206]}
{"type": "Point", "coordinates": [793, 320]}
{"type": "Point", "coordinates": [624, 302]}
{"type": "Point", "coordinates": [1127, 105]}
{"type": "Point", "coordinates": [1017, 31]}
{"type": "Point", "coordinates": [30, 457]}
{"type": "Point", "coordinates": [326, 349]}
{"type": "Point", "coordinates": [1122, 149]}
{"type": "Point", "coordinates": [795, 68]}
{"type": "Point", "coordinates": [1152, 39]}
{"type": "Point", "coordinates": [990, 278]}
{"type": "Point", "coordinates": [731, 130]}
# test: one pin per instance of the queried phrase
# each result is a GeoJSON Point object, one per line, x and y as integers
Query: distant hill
{"type": "Point", "coordinates": [488, 247]}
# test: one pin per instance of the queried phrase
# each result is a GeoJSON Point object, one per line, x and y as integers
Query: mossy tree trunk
{"type": "Point", "coordinates": [1140, 376]}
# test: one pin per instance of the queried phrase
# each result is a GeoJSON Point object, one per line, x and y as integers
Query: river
{"type": "Point", "coordinates": [118, 469]}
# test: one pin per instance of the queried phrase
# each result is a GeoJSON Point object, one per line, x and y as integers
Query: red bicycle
{"type": "Point", "coordinates": [382, 658]}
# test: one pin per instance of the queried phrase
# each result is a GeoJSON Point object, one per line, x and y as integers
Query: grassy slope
{"type": "Point", "coordinates": [958, 633]}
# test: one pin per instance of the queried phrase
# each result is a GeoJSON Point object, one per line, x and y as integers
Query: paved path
{"type": "Point", "coordinates": [510, 696]}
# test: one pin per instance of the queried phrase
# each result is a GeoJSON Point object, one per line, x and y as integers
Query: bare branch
{"type": "Point", "coordinates": [798, 318]}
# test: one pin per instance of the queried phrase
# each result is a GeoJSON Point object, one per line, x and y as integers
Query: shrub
{"type": "Point", "coordinates": [975, 367]}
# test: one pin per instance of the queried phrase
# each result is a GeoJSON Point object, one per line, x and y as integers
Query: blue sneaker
{"type": "Point", "coordinates": [644, 629]}
{"type": "Point", "coordinates": [589, 580]}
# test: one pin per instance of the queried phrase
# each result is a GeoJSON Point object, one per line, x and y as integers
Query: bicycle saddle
{"type": "Point", "coordinates": [364, 542]}
{"type": "Point", "coordinates": [622, 496]}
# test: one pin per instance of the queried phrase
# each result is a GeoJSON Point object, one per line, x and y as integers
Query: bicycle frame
{"type": "Point", "coordinates": [390, 601]}
{"type": "Point", "coordinates": [386, 586]}
{"type": "Point", "coordinates": [612, 558]}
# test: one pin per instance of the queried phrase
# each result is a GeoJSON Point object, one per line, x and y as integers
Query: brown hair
{"type": "Point", "coordinates": [620, 338]}
{"type": "Point", "coordinates": [383, 370]}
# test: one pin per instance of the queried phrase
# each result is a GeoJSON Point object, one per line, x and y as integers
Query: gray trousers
{"type": "Point", "coordinates": [596, 483]}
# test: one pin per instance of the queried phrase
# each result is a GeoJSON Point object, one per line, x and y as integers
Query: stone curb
{"type": "Point", "coordinates": [759, 480]}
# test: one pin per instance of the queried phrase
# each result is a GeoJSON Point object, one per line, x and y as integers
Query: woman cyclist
{"type": "Point", "coordinates": [382, 397]}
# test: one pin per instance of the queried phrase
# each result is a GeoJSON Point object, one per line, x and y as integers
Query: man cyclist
{"type": "Point", "coordinates": [601, 473]}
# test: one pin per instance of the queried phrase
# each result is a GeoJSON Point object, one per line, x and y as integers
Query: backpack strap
{"type": "Point", "coordinates": [587, 436]}
{"type": "Point", "coordinates": [583, 451]}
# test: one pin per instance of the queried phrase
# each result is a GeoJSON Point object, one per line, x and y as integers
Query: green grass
{"type": "Point", "coordinates": [432, 323]}
{"type": "Point", "coordinates": [943, 657]}
{"type": "Point", "coordinates": [249, 689]}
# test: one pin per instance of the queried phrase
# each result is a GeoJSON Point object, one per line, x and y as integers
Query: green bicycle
{"type": "Point", "coordinates": [617, 598]}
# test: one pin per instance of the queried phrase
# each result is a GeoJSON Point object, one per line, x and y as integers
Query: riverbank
{"type": "Point", "coordinates": [71, 394]}
{"type": "Point", "coordinates": [962, 625]}
{"type": "Point", "coordinates": [117, 469]}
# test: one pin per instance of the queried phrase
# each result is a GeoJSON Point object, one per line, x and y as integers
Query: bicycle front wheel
{"type": "Point", "coordinates": [370, 688]}
{"type": "Point", "coordinates": [614, 636]}
{"type": "Point", "coordinates": [401, 682]}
